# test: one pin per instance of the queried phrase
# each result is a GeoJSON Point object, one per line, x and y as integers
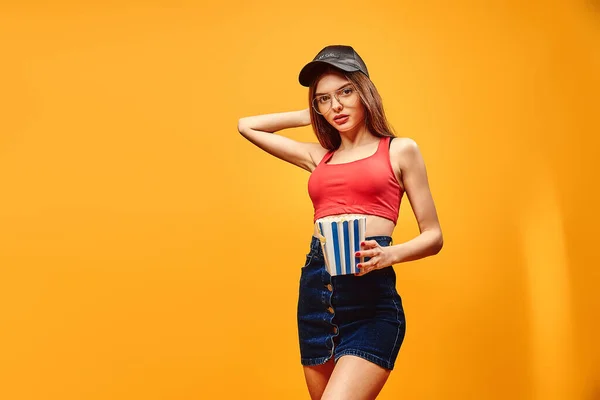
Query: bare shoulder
{"type": "Point", "coordinates": [404, 144]}
{"type": "Point", "coordinates": [405, 150]}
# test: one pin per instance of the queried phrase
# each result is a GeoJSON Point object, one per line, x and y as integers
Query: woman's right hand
{"type": "Point", "coordinates": [306, 116]}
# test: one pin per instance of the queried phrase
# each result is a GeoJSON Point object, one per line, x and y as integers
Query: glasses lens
{"type": "Point", "coordinates": [346, 96]}
{"type": "Point", "coordinates": [322, 104]}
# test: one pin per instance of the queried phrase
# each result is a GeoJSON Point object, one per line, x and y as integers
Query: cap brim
{"type": "Point", "coordinates": [313, 68]}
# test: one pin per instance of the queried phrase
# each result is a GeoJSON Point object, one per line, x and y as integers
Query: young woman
{"type": "Point", "coordinates": [350, 327]}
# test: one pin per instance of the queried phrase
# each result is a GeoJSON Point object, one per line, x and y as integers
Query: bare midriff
{"type": "Point", "coordinates": [376, 226]}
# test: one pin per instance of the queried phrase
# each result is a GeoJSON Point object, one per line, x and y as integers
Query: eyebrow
{"type": "Point", "coordinates": [344, 85]}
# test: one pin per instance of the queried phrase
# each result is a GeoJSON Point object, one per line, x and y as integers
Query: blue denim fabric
{"type": "Point", "coordinates": [348, 314]}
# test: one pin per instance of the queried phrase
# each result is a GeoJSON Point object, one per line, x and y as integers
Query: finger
{"type": "Point", "coordinates": [364, 271]}
{"type": "Point", "coordinates": [369, 244]}
{"type": "Point", "coordinates": [359, 270]}
{"type": "Point", "coordinates": [366, 265]}
{"type": "Point", "coordinates": [369, 268]}
{"type": "Point", "coordinates": [366, 253]}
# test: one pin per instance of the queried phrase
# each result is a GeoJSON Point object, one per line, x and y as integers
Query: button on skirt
{"type": "Point", "coordinates": [347, 314]}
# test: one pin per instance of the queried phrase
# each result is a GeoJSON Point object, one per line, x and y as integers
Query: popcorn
{"type": "Point", "coordinates": [340, 238]}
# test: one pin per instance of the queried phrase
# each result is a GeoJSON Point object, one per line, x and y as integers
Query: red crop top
{"type": "Point", "coordinates": [364, 186]}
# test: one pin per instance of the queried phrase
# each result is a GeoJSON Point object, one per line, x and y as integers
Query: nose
{"type": "Point", "coordinates": [335, 104]}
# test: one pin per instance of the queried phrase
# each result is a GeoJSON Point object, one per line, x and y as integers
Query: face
{"type": "Point", "coordinates": [343, 102]}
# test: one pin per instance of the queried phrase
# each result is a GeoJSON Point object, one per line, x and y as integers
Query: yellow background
{"type": "Point", "coordinates": [148, 251]}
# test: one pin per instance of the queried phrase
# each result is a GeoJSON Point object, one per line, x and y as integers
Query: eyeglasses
{"type": "Point", "coordinates": [345, 96]}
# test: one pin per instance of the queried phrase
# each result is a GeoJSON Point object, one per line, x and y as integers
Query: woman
{"type": "Point", "coordinates": [351, 327]}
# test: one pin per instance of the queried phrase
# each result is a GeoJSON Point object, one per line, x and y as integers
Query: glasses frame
{"type": "Point", "coordinates": [331, 96]}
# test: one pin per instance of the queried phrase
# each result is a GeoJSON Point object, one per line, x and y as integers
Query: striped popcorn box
{"type": "Point", "coordinates": [340, 238]}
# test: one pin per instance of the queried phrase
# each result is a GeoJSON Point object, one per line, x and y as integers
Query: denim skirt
{"type": "Point", "coordinates": [348, 314]}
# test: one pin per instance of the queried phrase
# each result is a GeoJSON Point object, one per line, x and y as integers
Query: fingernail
{"type": "Point", "coordinates": [357, 254]}
{"type": "Point", "coordinates": [362, 243]}
{"type": "Point", "coordinates": [359, 266]}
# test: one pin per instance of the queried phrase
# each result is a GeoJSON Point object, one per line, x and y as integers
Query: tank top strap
{"type": "Point", "coordinates": [380, 146]}
{"type": "Point", "coordinates": [387, 140]}
{"type": "Point", "coordinates": [326, 157]}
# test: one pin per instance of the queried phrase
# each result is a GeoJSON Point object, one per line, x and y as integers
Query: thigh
{"type": "Point", "coordinates": [317, 377]}
{"type": "Point", "coordinates": [355, 378]}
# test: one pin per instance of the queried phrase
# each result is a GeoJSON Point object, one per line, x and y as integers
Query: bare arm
{"type": "Point", "coordinates": [260, 130]}
{"type": "Point", "coordinates": [430, 241]}
{"type": "Point", "coordinates": [416, 184]}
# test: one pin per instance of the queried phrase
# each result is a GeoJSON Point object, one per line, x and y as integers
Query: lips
{"type": "Point", "coordinates": [341, 119]}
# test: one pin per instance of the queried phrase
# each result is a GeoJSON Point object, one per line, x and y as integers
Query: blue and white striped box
{"type": "Point", "coordinates": [340, 238]}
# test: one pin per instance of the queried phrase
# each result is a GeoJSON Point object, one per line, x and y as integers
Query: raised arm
{"type": "Point", "coordinates": [260, 130]}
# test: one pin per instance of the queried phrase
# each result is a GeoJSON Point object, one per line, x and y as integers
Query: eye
{"type": "Point", "coordinates": [323, 99]}
{"type": "Point", "coordinates": [347, 91]}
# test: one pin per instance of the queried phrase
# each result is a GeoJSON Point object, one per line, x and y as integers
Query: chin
{"type": "Point", "coordinates": [345, 127]}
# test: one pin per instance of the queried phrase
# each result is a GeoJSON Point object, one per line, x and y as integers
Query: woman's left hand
{"type": "Point", "coordinates": [380, 257]}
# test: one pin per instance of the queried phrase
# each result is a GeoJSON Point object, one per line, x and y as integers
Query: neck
{"type": "Point", "coordinates": [356, 137]}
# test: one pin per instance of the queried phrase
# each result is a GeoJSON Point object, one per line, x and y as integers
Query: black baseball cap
{"type": "Point", "coordinates": [340, 56]}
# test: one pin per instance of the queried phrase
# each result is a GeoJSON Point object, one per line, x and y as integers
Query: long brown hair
{"type": "Point", "coordinates": [375, 118]}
